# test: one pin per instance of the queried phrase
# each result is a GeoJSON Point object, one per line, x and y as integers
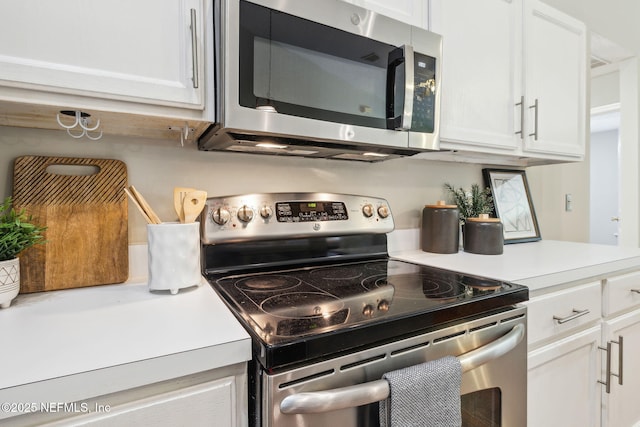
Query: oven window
{"type": "Point", "coordinates": [306, 69]}
{"type": "Point", "coordinates": [482, 408]}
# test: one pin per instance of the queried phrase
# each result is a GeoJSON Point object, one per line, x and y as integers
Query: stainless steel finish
{"type": "Point", "coordinates": [374, 391]}
{"type": "Point", "coordinates": [194, 48]}
{"type": "Point", "coordinates": [233, 122]}
{"type": "Point", "coordinates": [220, 216]}
{"type": "Point", "coordinates": [575, 315]}
{"type": "Point", "coordinates": [245, 214]}
{"type": "Point", "coordinates": [609, 373]}
{"type": "Point", "coordinates": [620, 343]}
{"type": "Point", "coordinates": [495, 347]}
{"type": "Point", "coordinates": [607, 379]}
{"type": "Point", "coordinates": [409, 76]}
{"type": "Point", "coordinates": [383, 211]}
{"type": "Point", "coordinates": [521, 105]}
{"type": "Point", "coordinates": [535, 120]}
{"type": "Point", "coordinates": [231, 218]}
{"type": "Point", "coordinates": [266, 212]}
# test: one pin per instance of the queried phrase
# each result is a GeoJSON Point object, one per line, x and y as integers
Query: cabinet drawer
{"type": "Point", "coordinates": [621, 293]}
{"type": "Point", "coordinates": [563, 311]}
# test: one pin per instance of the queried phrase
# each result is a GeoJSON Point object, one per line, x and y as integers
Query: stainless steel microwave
{"type": "Point", "coordinates": [322, 78]}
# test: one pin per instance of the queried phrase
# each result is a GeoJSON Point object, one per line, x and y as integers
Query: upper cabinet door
{"type": "Point", "coordinates": [148, 51]}
{"type": "Point", "coordinates": [555, 72]}
{"type": "Point", "coordinates": [481, 77]}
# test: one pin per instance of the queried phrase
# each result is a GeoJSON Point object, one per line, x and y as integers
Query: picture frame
{"type": "Point", "coordinates": [512, 204]}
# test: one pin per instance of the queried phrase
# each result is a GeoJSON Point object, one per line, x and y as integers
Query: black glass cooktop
{"type": "Point", "coordinates": [301, 314]}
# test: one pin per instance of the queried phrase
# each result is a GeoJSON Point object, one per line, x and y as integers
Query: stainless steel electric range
{"type": "Point", "coordinates": [309, 276]}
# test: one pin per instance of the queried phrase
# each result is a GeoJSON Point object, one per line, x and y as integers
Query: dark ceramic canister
{"type": "Point", "coordinates": [483, 235]}
{"type": "Point", "coordinates": [440, 228]}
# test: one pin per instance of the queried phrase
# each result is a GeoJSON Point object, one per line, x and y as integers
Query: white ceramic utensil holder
{"type": "Point", "coordinates": [174, 255]}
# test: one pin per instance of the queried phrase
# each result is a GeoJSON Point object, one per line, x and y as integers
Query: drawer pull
{"type": "Point", "coordinates": [575, 315]}
{"type": "Point", "coordinates": [637, 291]}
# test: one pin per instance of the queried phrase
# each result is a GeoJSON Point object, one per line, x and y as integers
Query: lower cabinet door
{"type": "Point", "coordinates": [208, 404]}
{"type": "Point", "coordinates": [563, 388]}
{"type": "Point", "coordinates": [621, 406]}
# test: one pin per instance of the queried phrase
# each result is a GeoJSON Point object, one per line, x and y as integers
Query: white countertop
{"type": "Point", "coordinates": [538, 265]}
{"type": "Point", "coordinates": [107, 332]}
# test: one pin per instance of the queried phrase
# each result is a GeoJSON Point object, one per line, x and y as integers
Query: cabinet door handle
{"type": "Point", "coordinates": [607, 381]}
{"type": "Point", "coordinates": [637, 291]}
{"type": "Point", "coordinates": [575, 315]}
{"type": "Point", "coordinates": [521, 105]}
{"type": "Point", "coordinates": [535, 120]}
{"type": "Point", "coordinates": [194, 49]}
{"type": "Point", "coordinates": [620, 358]}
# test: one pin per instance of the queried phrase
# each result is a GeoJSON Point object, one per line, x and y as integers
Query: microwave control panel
{"type": "Point", "coordinates": [424, 93]}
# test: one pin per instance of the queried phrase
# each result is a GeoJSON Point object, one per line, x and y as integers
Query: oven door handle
{"type": "Point", "coordinates": [374, 391]}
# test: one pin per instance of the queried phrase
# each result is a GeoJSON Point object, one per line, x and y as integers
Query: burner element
{"type": "Point", "coordinates": [268, 283]}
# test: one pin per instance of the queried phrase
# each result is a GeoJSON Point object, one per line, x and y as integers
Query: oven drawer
{"type": "Point", "coordinates": [621, 293]}
{"type": "Point", "coordinates": [562, 311]}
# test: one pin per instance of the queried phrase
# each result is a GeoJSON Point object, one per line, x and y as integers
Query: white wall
{"type": "Point", "coordinates": [156, 167]}
{"type": "Point", "coordinates": [604, 193]}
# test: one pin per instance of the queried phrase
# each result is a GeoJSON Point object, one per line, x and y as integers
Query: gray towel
{"type": "Point", "coordinates": [425, 395]}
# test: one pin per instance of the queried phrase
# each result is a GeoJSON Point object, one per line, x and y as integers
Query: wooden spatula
{"type": "Point", "coordinates": [179, 194]}
{"type": "Point", "coordinates": [193, 204]}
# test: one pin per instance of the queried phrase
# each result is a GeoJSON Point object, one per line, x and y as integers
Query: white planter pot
{"type": "Point", "coordinates": [9, 281]}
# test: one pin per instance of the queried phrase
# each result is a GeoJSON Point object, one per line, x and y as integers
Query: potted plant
{"type": "Point", "coordinates": [471, 203]}
{"type": "Point", "coordinates": [17, 233]}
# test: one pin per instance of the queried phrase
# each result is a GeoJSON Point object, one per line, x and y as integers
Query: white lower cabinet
{"type": "Point", "coordinates": [563, 387]}
{"type": "Point", "coordinates": [212, 398]}
{"type": "Point", "coordinates": [621, 406]}
{"type": "Point", "coordinates": [580, 340]}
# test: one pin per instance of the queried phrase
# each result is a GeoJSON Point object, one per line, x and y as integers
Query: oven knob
{"type": "Point", "coordinates": [245, 213]}
{"type": "Point", "coordinates": [367, 210]}
{"type": "Point", "coordinates": [383, 211]}
{"type": "Point", "coordinates": [367, 311]}
{"type": "Point", "coordinates": [266, 212]}
{"type": "Point", "coordinates": [220, 216]}
{"type": "Point", "coordinates": [383, 305]}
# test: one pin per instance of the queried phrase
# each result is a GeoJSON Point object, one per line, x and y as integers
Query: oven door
{"type": "Point", "coordinates": [345, 391]}
{"type": "Point", "coordinates": [327, 71]}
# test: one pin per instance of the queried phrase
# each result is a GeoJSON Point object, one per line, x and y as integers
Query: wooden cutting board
{"type": "Point", "coordinates": [82, 203]}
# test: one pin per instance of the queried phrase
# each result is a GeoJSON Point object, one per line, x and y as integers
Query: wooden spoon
{"type": "Point", "coordinates": [193, 204]}
{"type": "Point", "coordinates": [179, 194]}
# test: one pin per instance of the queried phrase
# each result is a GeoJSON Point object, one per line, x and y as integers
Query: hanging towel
{"type": "Point", "coordinates": [424, 395]}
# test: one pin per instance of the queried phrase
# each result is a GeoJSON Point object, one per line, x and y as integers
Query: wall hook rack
{"type": "Point", "coordinates": [82, 121]}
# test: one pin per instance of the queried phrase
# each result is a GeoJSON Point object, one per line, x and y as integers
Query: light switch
{"type": "Point", "coordinates": [568, 202]}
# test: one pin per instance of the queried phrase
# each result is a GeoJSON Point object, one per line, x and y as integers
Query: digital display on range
{"type": "Point", "coordinates": [311, 211]}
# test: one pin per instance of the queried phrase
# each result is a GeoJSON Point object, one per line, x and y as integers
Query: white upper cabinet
{"type": "Point", "coordinates": [482, 74]}
{"type": "Point", "coordinates": [555, 64]}
{"type": "Point", "coordinates": [146, 51]}
{"type": "Point", "coordinates": [414, 12]}
{"type": "Point", "coordinates": [501, 58]}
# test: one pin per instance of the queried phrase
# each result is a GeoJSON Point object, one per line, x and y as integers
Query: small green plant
{"type": "Point", "coordinates": [17, 232]}
{"type": "Point", "coordinates": [471, 203]}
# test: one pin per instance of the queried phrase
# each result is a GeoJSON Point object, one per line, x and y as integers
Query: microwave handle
{"type": "Point", "coordinates": [363, 394]}
{"type": "Point", "coordinates": [397, 57]}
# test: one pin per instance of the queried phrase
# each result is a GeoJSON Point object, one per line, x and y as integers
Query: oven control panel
{"type": "Point", "coordinates": [286, 215]}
